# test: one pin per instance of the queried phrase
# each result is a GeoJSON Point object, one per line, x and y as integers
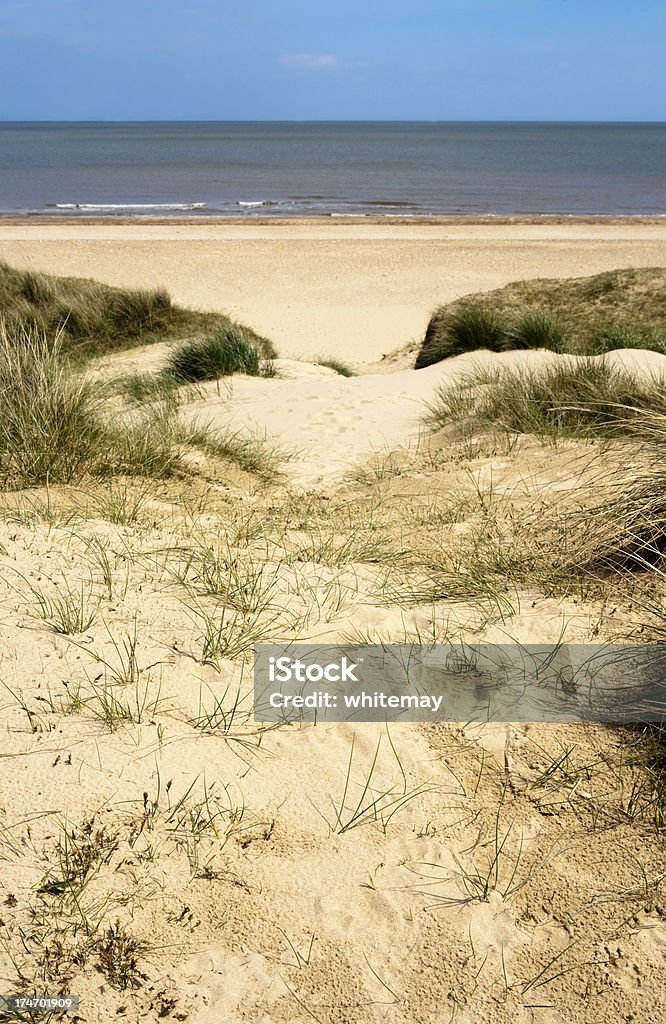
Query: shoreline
{"type": "Point", "coordinates": [444, 220]}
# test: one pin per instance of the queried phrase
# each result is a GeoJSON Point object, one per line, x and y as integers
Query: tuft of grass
{"type": "Point", "coordinates": [363, 545]}
{"type": "Point", "coordinates": [269, 369]}
{"type": "Point", "coordinates": [230, 635]}
{"type": "Point", "coordinates": [231, 575]}
{"type": "Point", "coordinates": [122, 668]}
{"type": "Point", "coordinates": [115, 709]}
{"type": "Point", "coordinates": [538, 328]}
{"type": "Point", "coordinates": [335, 364]}
{"type": "Point", "coordinates": [368, 800]}
{"type": "Point", "coordinates": [97, 556]}
{"type": "Point", "coordinates": [69, 610]}
{"type": "Point", "coordinates": [119, 955]}
{"type": "Point", "coordinates": [121, 503]}
{"type": "Point", "coordinates": [227, 709]}
{"type": "Point", "coordinates": [615, 337]}
{"type": "Point", "coordinates": [468, 327]}
{"type": "Point", "coordinates": [585, 398]}
{"type": "Point", "coordinates": [501, 868]}
{"type": "Point", "coordinates": [646, 751]}
{"type": "Point", "coordinates": [80, 854]}
{"type": "Point", "coordinates": [50, 427]}
{"type": "Point", "coordinates": [225, 351]}
{"type": "Point", "coordinates": [105, 702]}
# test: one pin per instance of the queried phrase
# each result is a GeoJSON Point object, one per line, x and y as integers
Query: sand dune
{"type": "Point", "coordinates": [169, 858]}
{"type": "Point", "coordinates": [331, 424]}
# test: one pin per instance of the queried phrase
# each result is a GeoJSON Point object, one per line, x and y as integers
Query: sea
{"type": "Point", "coordinates": [335, 169]}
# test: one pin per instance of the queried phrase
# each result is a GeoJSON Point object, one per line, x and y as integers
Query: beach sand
{"type": "Point", "coordinates": [168, 858]}
{"type": "Point", "coordinates": [357, 291]}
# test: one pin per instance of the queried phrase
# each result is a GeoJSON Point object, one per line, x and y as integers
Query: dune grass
{"type": "Point", "coordinates": [55, 426]}
{"type": "Point", "coordinates": [536, 328]}
{"type": "Point", "coordinates": [619, 523]}
{"type": "Point", "coordinates": [614, 337]}
{"type": "Point", "coordinates": [471, 326]}
{"type": "Point", "coordinates": [335, 364]}
{"type": "Point", "coordinates": [587, 316]}
{"type": "Point", "coordinates": [91, 318]}
{"type": "Point", "coordinates": [227, 350]}
{"type": "Point", "coordinates": [50, 428]}
{"type": "Point", "coordinates": [585, 398]}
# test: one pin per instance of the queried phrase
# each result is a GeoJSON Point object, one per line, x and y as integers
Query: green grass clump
{"type": "Point", "coordinates": [614, 337]}
{"type": "Point", "coordinates": [586, 315]}
{"type": "Point", "coordinates": [468, 327]}
{"type": "Point", "coordinates": [336, 364]}
{"type": "Point", "coordinates": [227, 350]}
{"type": "Point", "coordinates": [50, 428]}
{"type": "Point", "coordinates": [55, 426]}
{"type": "Point", "coordinates": [537, 329]}
{"type": "Point", "coordinates": [582, 398]}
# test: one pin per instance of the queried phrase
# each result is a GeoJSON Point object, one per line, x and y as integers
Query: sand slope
{"type": "Point", "coordinates": [330, 424]}
{"type": "Point", "coordinates": [167, 858]}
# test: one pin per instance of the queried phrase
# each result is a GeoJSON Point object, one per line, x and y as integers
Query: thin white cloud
{"type": "Point", "coordinates": [312, 61]}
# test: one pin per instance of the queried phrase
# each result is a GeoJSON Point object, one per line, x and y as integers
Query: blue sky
{"type": "Point", "coordinates": [328, 59]}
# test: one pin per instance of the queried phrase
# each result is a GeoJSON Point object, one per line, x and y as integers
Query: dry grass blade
{"type": "Point", "coordinates": [374, 802]}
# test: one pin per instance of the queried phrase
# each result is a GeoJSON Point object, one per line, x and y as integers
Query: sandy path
{"type": "Point", "coordinates": [329, 426]}
{"type": "Point", "coordinates": [332, 423]}
{"type": "Point", "coordinates": [357, 291]}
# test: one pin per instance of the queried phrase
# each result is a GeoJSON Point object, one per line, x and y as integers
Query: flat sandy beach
{"type": "Point", "coordinates": [355, 290]}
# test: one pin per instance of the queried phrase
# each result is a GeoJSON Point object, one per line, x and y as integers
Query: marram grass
{"type": "Point", "coordinates": [55, 427]}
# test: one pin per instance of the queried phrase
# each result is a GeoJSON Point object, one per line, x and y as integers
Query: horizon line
{"type": "Point", "coordinates": [327, 120]}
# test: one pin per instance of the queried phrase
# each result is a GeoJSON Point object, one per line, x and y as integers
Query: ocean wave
{"type": "Point", "coordinates": [129, 206]}
{"type": "Point", "coordinates": [257, 202]}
